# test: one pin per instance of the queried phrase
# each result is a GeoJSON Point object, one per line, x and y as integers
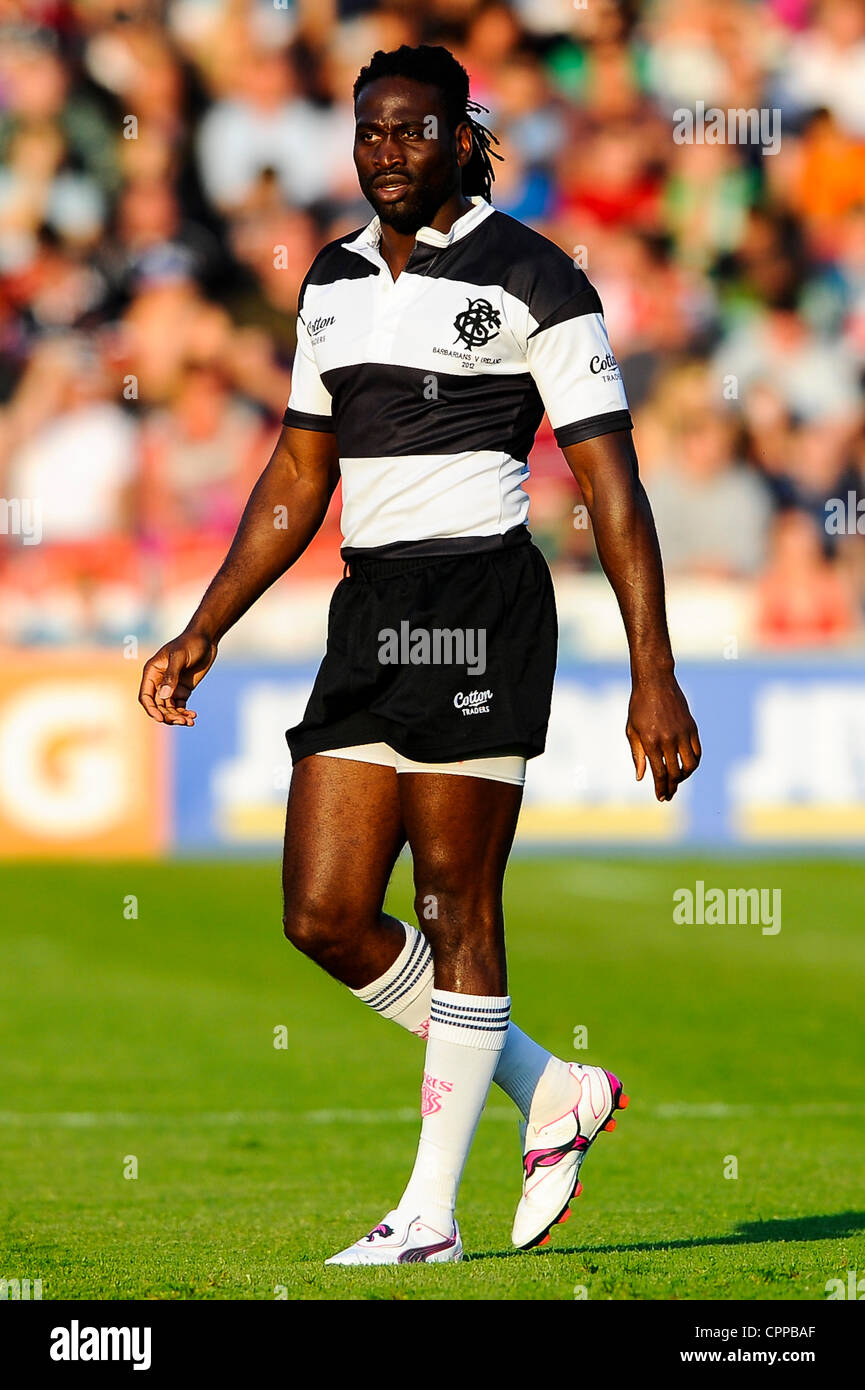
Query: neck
{"type": "Point", "coordinates": [397, 246]}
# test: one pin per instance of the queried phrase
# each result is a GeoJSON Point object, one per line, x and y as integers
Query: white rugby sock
{"type": "Point", "coordinates": [521, 1066]}
{"type": "Point", "coordinates": [466, 1035]}
{"type": "Point", "coordinates": [403, 994]}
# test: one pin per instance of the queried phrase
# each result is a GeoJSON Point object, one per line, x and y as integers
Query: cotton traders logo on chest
{"type": "Point", "coordinates": [477, 324]}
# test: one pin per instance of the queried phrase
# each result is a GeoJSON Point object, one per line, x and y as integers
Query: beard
{"type": "Point", "coordinates": [415, 209]}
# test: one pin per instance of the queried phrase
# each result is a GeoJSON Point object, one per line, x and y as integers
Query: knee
{"type": "Point", "coordinates": [313, 925]}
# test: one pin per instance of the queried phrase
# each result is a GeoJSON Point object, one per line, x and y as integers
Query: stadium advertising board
{"type": "Point", "coordinates": [784, 760]}
{"type": "Point", "coordinates": [82, 772]}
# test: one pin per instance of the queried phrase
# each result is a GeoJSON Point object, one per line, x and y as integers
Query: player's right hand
{"type": "Point", "coordinates": [170, 677]}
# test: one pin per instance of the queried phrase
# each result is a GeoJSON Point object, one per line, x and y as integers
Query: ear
{"type": "Point", "coordinates": [464, 142]}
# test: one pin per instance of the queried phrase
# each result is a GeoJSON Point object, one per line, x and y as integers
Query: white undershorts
{"type": "Point", "coordinates": [511, 768]}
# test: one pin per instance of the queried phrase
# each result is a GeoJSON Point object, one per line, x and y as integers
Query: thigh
{"type": "Point", "coordinates": [343, 833]}
{"type": "Point", "coordinates": [460, 830]}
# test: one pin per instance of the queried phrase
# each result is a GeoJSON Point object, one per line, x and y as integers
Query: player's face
{"type": "Point", "coordinates": [405, 155]}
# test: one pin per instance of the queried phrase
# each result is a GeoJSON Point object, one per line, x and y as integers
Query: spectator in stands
{"type": "Point", "coordinates": [816, 377]}
{"type": "Point", "coordinates": [825, 65]}
{"type": "Point", "coordinates": [819, 468]}
{"type": "Point", "coordinates": [712, 512]}
{"type": "Point", "coordinates": [39, 89]}
{"type": "Point", "coordinates": [38, 189]}
{"type": "Point", "coordinates": [149, 220]}
{"type": "Point", "coordinates": [830, 178]}
{"type": "Point", "coordinates": [266, 123]}
{"type": "Point", "coordinates": [201, 454]}
{"type": "Point", "coordinates": [802, 599]}
{"type": "Point", "coordinates": [74, 447]}
{"type": "Point", "coordinates": [175, 256]}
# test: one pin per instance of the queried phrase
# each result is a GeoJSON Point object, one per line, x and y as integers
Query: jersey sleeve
{"type": "Point", "coordinates": [569, 355]}
{"type": "Point", "coordinates": [309, 401]}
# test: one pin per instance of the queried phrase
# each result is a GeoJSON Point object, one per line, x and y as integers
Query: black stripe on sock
{"type": "Point", "coordinates": [413, 966]}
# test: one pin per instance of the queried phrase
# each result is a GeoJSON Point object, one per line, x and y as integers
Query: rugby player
{"type": "Point", "coordinates": [430, 341]}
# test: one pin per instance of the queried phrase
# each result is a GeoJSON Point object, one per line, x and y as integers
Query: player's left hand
{"type": "Point", "coordinates": [661, 731]}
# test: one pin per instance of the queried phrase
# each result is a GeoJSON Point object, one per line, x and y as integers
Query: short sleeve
{"type": "Point", "coordinates": [569, 356]}
{"type": "Point", "coordinates": [309, 402]}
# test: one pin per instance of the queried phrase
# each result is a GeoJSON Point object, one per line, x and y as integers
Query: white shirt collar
{"type": "Point", "coordinates": [370, 237]}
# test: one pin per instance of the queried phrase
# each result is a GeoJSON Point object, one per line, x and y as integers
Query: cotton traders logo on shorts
{"type": "Point", "coordinates": [475, 702]}
{"type": "Point", "coordinates": [477, 324]}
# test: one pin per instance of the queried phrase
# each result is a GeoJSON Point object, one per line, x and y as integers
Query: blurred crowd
{"type": "Point", "coordinates": [168, 169]}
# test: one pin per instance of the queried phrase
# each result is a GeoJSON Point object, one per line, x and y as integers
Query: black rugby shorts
{"type": "Point", "coordinates": [444, 657]}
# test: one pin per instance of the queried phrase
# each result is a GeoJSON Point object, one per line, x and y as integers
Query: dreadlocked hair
{"type": "Point", "coordinates": [437, 67]}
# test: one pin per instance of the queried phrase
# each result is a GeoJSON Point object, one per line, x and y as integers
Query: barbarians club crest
{"type": "Point", "coordinates": [477, 324]}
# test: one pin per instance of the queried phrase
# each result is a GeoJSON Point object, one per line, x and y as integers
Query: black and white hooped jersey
{"type": "Point", "coordinates": [435, 383]}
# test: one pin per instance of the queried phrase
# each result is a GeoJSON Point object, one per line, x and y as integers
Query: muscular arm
{"type": "Point", "coordinates": [285, 509]}
{"type": "Point", "coordinates": [660, 727]}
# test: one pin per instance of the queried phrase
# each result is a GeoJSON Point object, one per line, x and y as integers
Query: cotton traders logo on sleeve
{"type": "Point", "coordinates": [607, 367]}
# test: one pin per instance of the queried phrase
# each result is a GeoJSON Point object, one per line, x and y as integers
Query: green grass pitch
{"type": "Point", "coordinates": [152, 1038]}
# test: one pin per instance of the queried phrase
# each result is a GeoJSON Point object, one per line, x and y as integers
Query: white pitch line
{"type": "Point", "coordinates": [720, 1110]}
{"type": "Point", "coordinates": [97, 1119]}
